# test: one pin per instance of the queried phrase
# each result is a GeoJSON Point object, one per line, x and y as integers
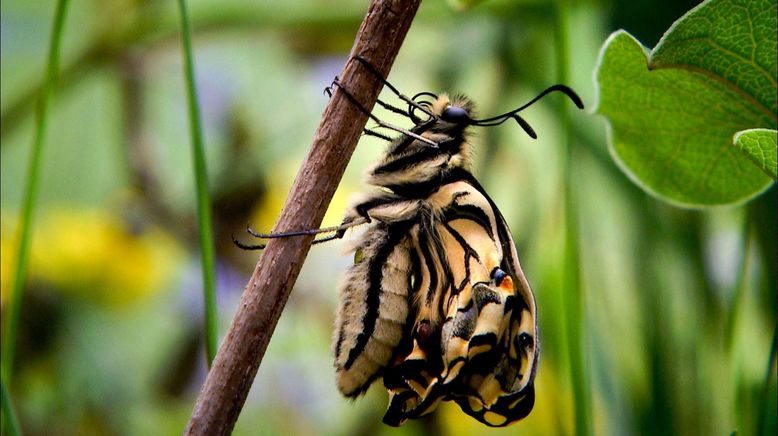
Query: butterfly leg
{"type": "Point", "coordinates": [377, 120]}
{"type": "Point", "coordinates": [393, 108]}
{"type": "Point", "coordinates": [411, 102]}
{"type": "Point", "coordinates": [337, 233]}
{"type": "Point", "coordinates": [369, 132]}
{"type": "Point", "coordinates": [366, 131]}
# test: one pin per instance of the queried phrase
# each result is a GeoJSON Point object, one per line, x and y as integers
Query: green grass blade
{"type": "Point", "coordinates": [203, 201]}
{"type": "Point", "coordinates": [10, 422]}
{"type": "Point", "coordinates": [762, 423]}
{"type": "Point", "coordinates": [31, 194]}
{"type": "Point", "coordinates": [741, 284]}
{"type": "Point", "coordinates": [574, 307]}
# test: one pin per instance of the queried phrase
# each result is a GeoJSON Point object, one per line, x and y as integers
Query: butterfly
{"type": "Point", "coordinates": [436, 302]}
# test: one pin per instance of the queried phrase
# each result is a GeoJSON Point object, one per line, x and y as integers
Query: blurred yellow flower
{"type": "Point", "coordinates": [7, 258]}
{"type": "Point", "coordinates": [95, 254]}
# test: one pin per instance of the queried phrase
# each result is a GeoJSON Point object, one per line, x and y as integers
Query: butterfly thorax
{"type": "Point", "coordinates": [414, 166]}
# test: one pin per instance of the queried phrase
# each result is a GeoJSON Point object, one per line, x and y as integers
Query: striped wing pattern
{"type": "Point", "coordinates": [423, 310]}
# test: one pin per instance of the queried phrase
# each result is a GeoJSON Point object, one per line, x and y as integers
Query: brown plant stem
{"type": "Point", "coordinates": [229, 380]}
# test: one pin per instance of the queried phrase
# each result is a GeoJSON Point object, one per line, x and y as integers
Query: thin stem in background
{"type": "Point", "coordinates": [31, 194]}
{"type": "Point", "coordinates": [11, 422]}
{"type": "Point", "coordinates": [573, 293]}
{"type": "Point", "coordinates": [203, 201]}
{"type": "Point", "coordinates": [731, 312]}
{"type": "Point", "coordinates": [740, 292]}
{"type": "Point", "coordinates": [762, 423]}
{"type": "Point", "coordinates": [741, 283]}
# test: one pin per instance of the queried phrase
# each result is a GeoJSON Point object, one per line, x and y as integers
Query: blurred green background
{"type": "Point", "coordinates": [680, 305]}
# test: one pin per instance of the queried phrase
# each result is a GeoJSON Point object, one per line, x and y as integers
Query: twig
{"type": "Point", "coordinates": [229, 380]}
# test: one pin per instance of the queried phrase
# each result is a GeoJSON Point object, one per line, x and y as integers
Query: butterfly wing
{"type": "Point", "coordinates": [483, 322]}
{"type": "Point", "coordinates": [504, 390]}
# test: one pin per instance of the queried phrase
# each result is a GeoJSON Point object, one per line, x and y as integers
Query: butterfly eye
{"type": "Point", "coordinates": [455, 114]}
{"type": "Point", "coordinates": [498, 275]}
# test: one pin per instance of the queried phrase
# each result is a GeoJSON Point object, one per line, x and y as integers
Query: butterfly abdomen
{"type": "Point", "coordinates": [374, 308]}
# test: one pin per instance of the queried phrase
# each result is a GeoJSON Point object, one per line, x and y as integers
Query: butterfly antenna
{"type": "Point", "coordinates": [514, 114]}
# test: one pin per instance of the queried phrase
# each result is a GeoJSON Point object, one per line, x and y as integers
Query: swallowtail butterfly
{"type": "Point", "coordinates": [436, 302]}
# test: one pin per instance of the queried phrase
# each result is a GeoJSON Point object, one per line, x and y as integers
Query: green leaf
{"type": "Point", "coordinates": [760, 146]}
{"type": "Point", "coordinates": [673, 111]}
{"type": "Point", "coordinates": [671, 129]}
{"type": "Point", "coordinates": [732, 40]}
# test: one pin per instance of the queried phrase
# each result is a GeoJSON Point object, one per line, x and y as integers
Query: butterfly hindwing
{"type": "Point", "coordinates": [481, 368]}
